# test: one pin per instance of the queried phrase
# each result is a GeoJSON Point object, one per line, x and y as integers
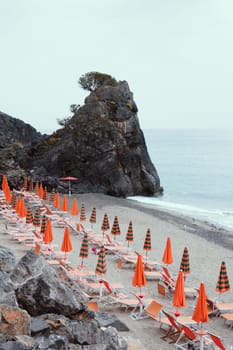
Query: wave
{"type": "Point", "coordinates": [221, 218]}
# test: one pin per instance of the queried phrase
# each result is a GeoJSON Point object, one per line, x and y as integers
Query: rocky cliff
{"type": "Point", "coordinates": [101, 144]}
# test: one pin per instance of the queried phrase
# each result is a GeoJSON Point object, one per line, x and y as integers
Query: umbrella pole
{"type": "Point", "coordinates": [69, 190]}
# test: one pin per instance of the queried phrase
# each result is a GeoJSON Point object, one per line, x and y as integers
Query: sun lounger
{"type": "Point", "coordinates": [228, 319]}
{"type": "Point", "coordinates": [188, 337]}
{"type": "Point", "coordinates": [169, 283]}
{"type": "Point", "coordinates": [223, 308]}
{"type": "Point", "coordinates": [217, 340]}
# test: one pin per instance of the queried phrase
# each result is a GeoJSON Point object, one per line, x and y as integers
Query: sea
{"type": "Point", "coordinates": [195, 167]}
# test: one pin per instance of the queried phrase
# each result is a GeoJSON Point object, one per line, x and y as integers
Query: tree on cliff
{"type": "Point", "coordinates": [93, 80]}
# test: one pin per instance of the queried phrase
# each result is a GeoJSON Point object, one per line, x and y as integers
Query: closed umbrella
{"type": "Point", "coordinates": [45, 194]}
{"type": "Point", "coordinates": [147, 243]}
{"type": "Point", "coordinates": [22, 210]}
{"type": "Point", "coordinates": [74, 208]}
{"type": "Point", "coordinates": [167, 255]}
{"type": "Point", "coordinates": [101, 268]}
{"type": "Point", "coordinates": [57, 201]}
{"type": "Point", "coordinates": [84, 248]}
{"type": "Point", "coordinates": [43, 224]}
{"type": "Point", "coordinates": [41, 191]}
{"type": "Point", "coordinates": [66, 243]}
{"type": "Point", "coordinates": [139, 278]}
{"type": "Point", "coordinates": [105, 224]}
{"type": "Point", "coordinates": [115, 228]}
{"type": "Point", "coordinates": [185, 265]}
{"type": "Point", "coordinates": [25, 183]}
{"type": "Point", "coordinates": [92, 219]}
{"type": "Point", "coordinates": [83, 213]}
{"type": "Point", "coordinates": [64, 206]}
{"type": "Point", "coordinates": [29, 215]}
{"type": "Point", "coordinates": [52, 196]}
{"type": "Point", "coordinates": [48, 235]}
{"type": "Point", "coordinates": [129, 235]}
{"type": "Point", "coordinates": [223, 284]}
{"type": "Point", "coordinates": [200, 314]}
{"type": "Point", "coordinates": [36, 219]}
{"type": "Point", "coordinates": [179, 295]}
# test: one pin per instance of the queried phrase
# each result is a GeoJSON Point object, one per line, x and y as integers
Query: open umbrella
{"type": "Point", "coordinates": [200, 313]}
{"type": "Point", "coordinates": [115, 228]}
{"type": "Point", "coordinates": [69, 179]}
{"type": "Point", "coordinates": [83, 213]}
{"type": "Point", "coordinates": [66, 243]}
{"type": "Point", "coordinates": [92, 219]}
{"type": "Point", "coordinates": [184, 265]}
{"type": "Point", "coordinates": [64, 206]}
{"type": "Point", "coordinates": [167, 255]}
{"type": "Point", "coordinates": [129, 235]}
{"type": "Point", "coordinates": [139, 278]}
{"type": "Point", "coordinates": [147, 243]}
{"type": "Point", "coordinates": [84, 248]}
{"type": "Point", "coordinates": [179, 295]}
{"type": "Point", "coordinates": [223, 284]}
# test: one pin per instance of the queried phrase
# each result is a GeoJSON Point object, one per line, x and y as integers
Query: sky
{"type": "Point", "coordinates": [176, 56]}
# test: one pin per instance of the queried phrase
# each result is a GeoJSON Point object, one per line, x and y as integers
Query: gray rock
{"type": "Point", "coordinates": [39, 290]}
{"type": "Point", "coordinates": [7, 260]}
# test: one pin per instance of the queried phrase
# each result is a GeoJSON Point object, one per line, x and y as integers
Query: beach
{"type": "Point", "coordinates": [207, 244]}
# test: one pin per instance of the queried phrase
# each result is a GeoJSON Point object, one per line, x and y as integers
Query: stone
{"type": "Point", "coordinates": [39, 290]}
{"type": "Point", "coordinates": [7, 260]}
{"type": "Point", "coordinates": [14, 320]}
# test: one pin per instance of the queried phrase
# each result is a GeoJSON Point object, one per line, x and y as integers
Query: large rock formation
{"type": "Point", "coordinates": [101, 144]}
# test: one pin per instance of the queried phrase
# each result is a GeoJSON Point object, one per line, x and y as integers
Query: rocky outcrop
{"type": "Point", "coordinates": [102, 144]}
{"type": "Point", "coordinates": [50, 312]}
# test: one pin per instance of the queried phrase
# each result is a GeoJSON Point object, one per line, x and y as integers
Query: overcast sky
{"type": "Point", "coordinates": [176, 55]}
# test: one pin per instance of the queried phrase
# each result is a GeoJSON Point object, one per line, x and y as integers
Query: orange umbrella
{"type": "Point", "coordinates": [4, 182]}
{"type": "Point", "coordinates": [139, 278]}
{"type": "Point", "coordinates": [223, 284]}
{"type": "Point", "coordinates": [64, 206]}
{"type": "Point", "coordinates": [167, 255]}
{"type": "Point", "coordinates": [74, 208]}
{"type": "Point", "coordinates": [45, 194]}
{"type": "Point", "coordinates": [22, 210]}
{"type": "Point", "coordinates": [57, 201]}
{"type": "Point", "coordinates": [41, 191]}
{"type": "Point", "coordinates": [7, 193]}
{"type": "Point", "coordinates": [66, 243]}
{"type": "Point", "coordinates": [48, 235]}
{"type": "Point", "coordinates": [184, 265]}
{"type": "Point", "coordinates": [179, 295]}
{"type": "Point", "coordinates": [200, 313]}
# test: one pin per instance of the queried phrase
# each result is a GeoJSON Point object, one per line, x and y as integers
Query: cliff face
{"type": "Point", "coordinates": [102, 144]}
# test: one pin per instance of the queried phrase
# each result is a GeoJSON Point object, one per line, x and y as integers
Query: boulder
{"type": "Point", "coordinates": [39, 290]}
